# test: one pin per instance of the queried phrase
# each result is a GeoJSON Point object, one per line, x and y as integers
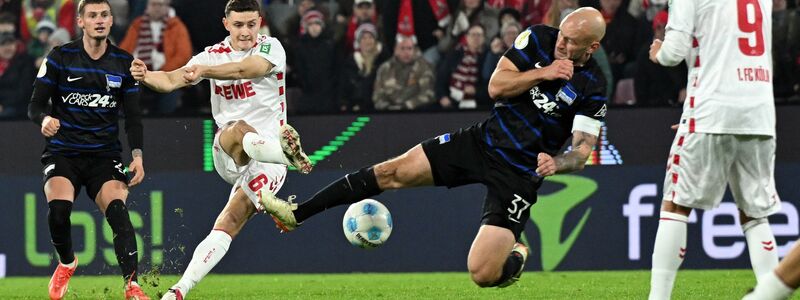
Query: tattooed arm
{"type": "Point", "coordinates": [582, 145]}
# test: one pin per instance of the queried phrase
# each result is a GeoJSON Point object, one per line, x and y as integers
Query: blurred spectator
{"type": "Point", "coordinates": [294, 25]}
{"type": "Point", "coordinates": [363, 12]}
{"type": "Point", "coordinates": [16, 75]}
{"type": "Point", "coordinates": [508, 15]}
{"type": "Point", "coordinates": [784, 66]}
{"type": "Point", "coordinates": [11, 6]}
{"type": "Point", "coordinates": [469, 12]}
{"type": "Point", "coordinates": [359, 70]}
{"type": "Point", "coordinates": [121, 11]}
{"type": "Point", "coordinates": [423, 20]}
{"type": "Point", "coordinates": [404, 82]}
{"type": "Point", "coordinates": [654, 84]}
{"type": "Point", "coordinates": [8, 24]}
{"type": "Point", "coordinates": [558, 10]}
{"type": "Point", "coordinates": [161, 41]}
{"type": "Point", "coordinates": [459, 83]}
{"type": "Point", "coordinates": [60, 12]}
{"type": "Point", "coordinates": [620, 41]}
{"type": "Point", "coordinates": [315, 67]}
{"type": "Point", "coordinates": [533, 12]}
{"type": "Point", "coordinates": [40, 43]}
{"type": "Point", "coordinates": [498, 46]}
{"type": "Point", "coordinates": [512, 4]}
{"type": "Point", "coordinates": [646, 9]}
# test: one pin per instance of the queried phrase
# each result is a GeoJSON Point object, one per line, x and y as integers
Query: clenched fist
{"type": "Point", "coordinates": [138, 69]}
{"type": "Point", "coordinates": [559, 69]}
{"type": "Point", "coordinates": [50, 126]}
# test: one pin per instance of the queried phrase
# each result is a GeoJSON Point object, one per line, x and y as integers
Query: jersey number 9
{"type": "Point", "coordinates": [750, 26]}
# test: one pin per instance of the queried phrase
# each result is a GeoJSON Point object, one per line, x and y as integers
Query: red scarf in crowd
{"type": "Point", "coordinates": [405, 20]}
{"type": "Point", "coordinates": [146, 43]}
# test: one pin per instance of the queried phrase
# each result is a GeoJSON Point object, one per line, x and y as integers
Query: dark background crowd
{"type": "Point", "coordinates": [372, 55]}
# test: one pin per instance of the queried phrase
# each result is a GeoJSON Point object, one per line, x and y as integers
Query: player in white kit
{"type": "Point", "coordinates": [254, 144]}
{"type": "Point", "coordinates": [726, 135]}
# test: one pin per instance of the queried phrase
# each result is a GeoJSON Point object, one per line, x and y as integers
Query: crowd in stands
{"type": "Point", "coordinates": [372, 55]}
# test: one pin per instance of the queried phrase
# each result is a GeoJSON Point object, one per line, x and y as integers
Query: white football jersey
{"type": "Point", "coordinates": [730, 66]}
{"type": "Point", "coordinates": [261, 102]}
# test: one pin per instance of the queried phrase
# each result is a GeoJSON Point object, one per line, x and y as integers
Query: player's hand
{"type": "Point", "coordinates": [193, 73]}
{"type": "Point", "coordinates": [654, 47]}
{"type": "Point", "coordinates": [675, 126]}
{"type": "Point", "coordinates": [559, 69]}
{"type": "Point", "coordinates": [50, 126]}
{"type": "Point", "coordinates": [546, 165]}
{"type": "Point", "coordinates": [138, 69]}
{"type": "Point", "coordinates": [137, 168]}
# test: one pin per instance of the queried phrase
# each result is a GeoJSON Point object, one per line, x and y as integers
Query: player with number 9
{"type": "Point", "coordinates": [726, 135]}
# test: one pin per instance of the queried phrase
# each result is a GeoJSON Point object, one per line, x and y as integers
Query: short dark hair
{"type": "Point", "coordinates": [242, 6]}
{"type": "Point", "coordinates": [83, 3]}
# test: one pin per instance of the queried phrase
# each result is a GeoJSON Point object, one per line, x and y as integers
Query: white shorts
{"type": "Point", "coordinates": [252, 177]}
{"type": "Point", "coordinates": [700, 165]}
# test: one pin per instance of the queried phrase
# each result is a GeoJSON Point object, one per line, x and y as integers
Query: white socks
{"type": "Point", "coordinates": [207, 254]}
{"type": "Point", "coordinates": [668, 253]}
{"type": "Point", "coordinates": [770, 287]}
{"type": "Point", "coordinates": [263, 149]}
{"type": "Point", "coordinates": [761, 245]}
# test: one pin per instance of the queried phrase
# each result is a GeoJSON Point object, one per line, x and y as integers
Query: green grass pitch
{"type": "Point", "coordinates": [691, 284]}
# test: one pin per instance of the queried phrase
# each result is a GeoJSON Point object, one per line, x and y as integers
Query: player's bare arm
{"type": "Point", "coordinates": [159, 81]}
{"type": "Point", "coordinates": [507, 81]}
{"type": "Point", "coordinates": [582, 145]}
{"type": "Point", "coordinates": [251, 67]}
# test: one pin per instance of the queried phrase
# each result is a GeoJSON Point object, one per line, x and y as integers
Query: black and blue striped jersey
{"type": "Point", "coordinates": [541, 119]}
{"type": "Point", "coordinates": [86, 96]}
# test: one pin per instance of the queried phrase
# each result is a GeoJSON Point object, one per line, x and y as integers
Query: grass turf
{"type": "Point", "coordinates": [691, 284]}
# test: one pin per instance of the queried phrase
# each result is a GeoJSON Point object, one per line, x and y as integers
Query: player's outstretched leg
{"type": "Point", "coordinates": [211, 250]}
{"type": "Point", "coordinates": [408, 170]}
{"type": "Point", "coordinates": [349, 189]}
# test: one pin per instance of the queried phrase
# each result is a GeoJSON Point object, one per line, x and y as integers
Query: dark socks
{"type": "Point", "coordinates": [124, 238]}
{"type": "Point", "coordinates": [61, 229]}
{"type": "Point", "coordinates": [349, 189]}
{"type": "Point", "coordinates": [512, 266]}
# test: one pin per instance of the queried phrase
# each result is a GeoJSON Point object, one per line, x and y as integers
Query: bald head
{"type": "Point", "coordinates": [580, 34]}
{"type": "Point", "coordinates": [586, 21]}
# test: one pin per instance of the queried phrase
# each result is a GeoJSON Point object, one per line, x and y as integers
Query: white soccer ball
{"type": "Point", "coordinates": [367, 224]}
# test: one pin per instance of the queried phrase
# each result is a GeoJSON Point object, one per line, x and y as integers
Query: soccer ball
{"type": "Point", "coordinates": [367, 224]}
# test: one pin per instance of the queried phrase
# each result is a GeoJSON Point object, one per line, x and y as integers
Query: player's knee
{"type": "Point", "coordinates": [669, 206]}
{"type": "Point", "coordinates": [241, 127]}
{"type": "Point", "coordinates": [389, 176]}
{"type": "Point", "coordinates": [483, 277]}
{"type": "Point", "coordinates": [230, 224]}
